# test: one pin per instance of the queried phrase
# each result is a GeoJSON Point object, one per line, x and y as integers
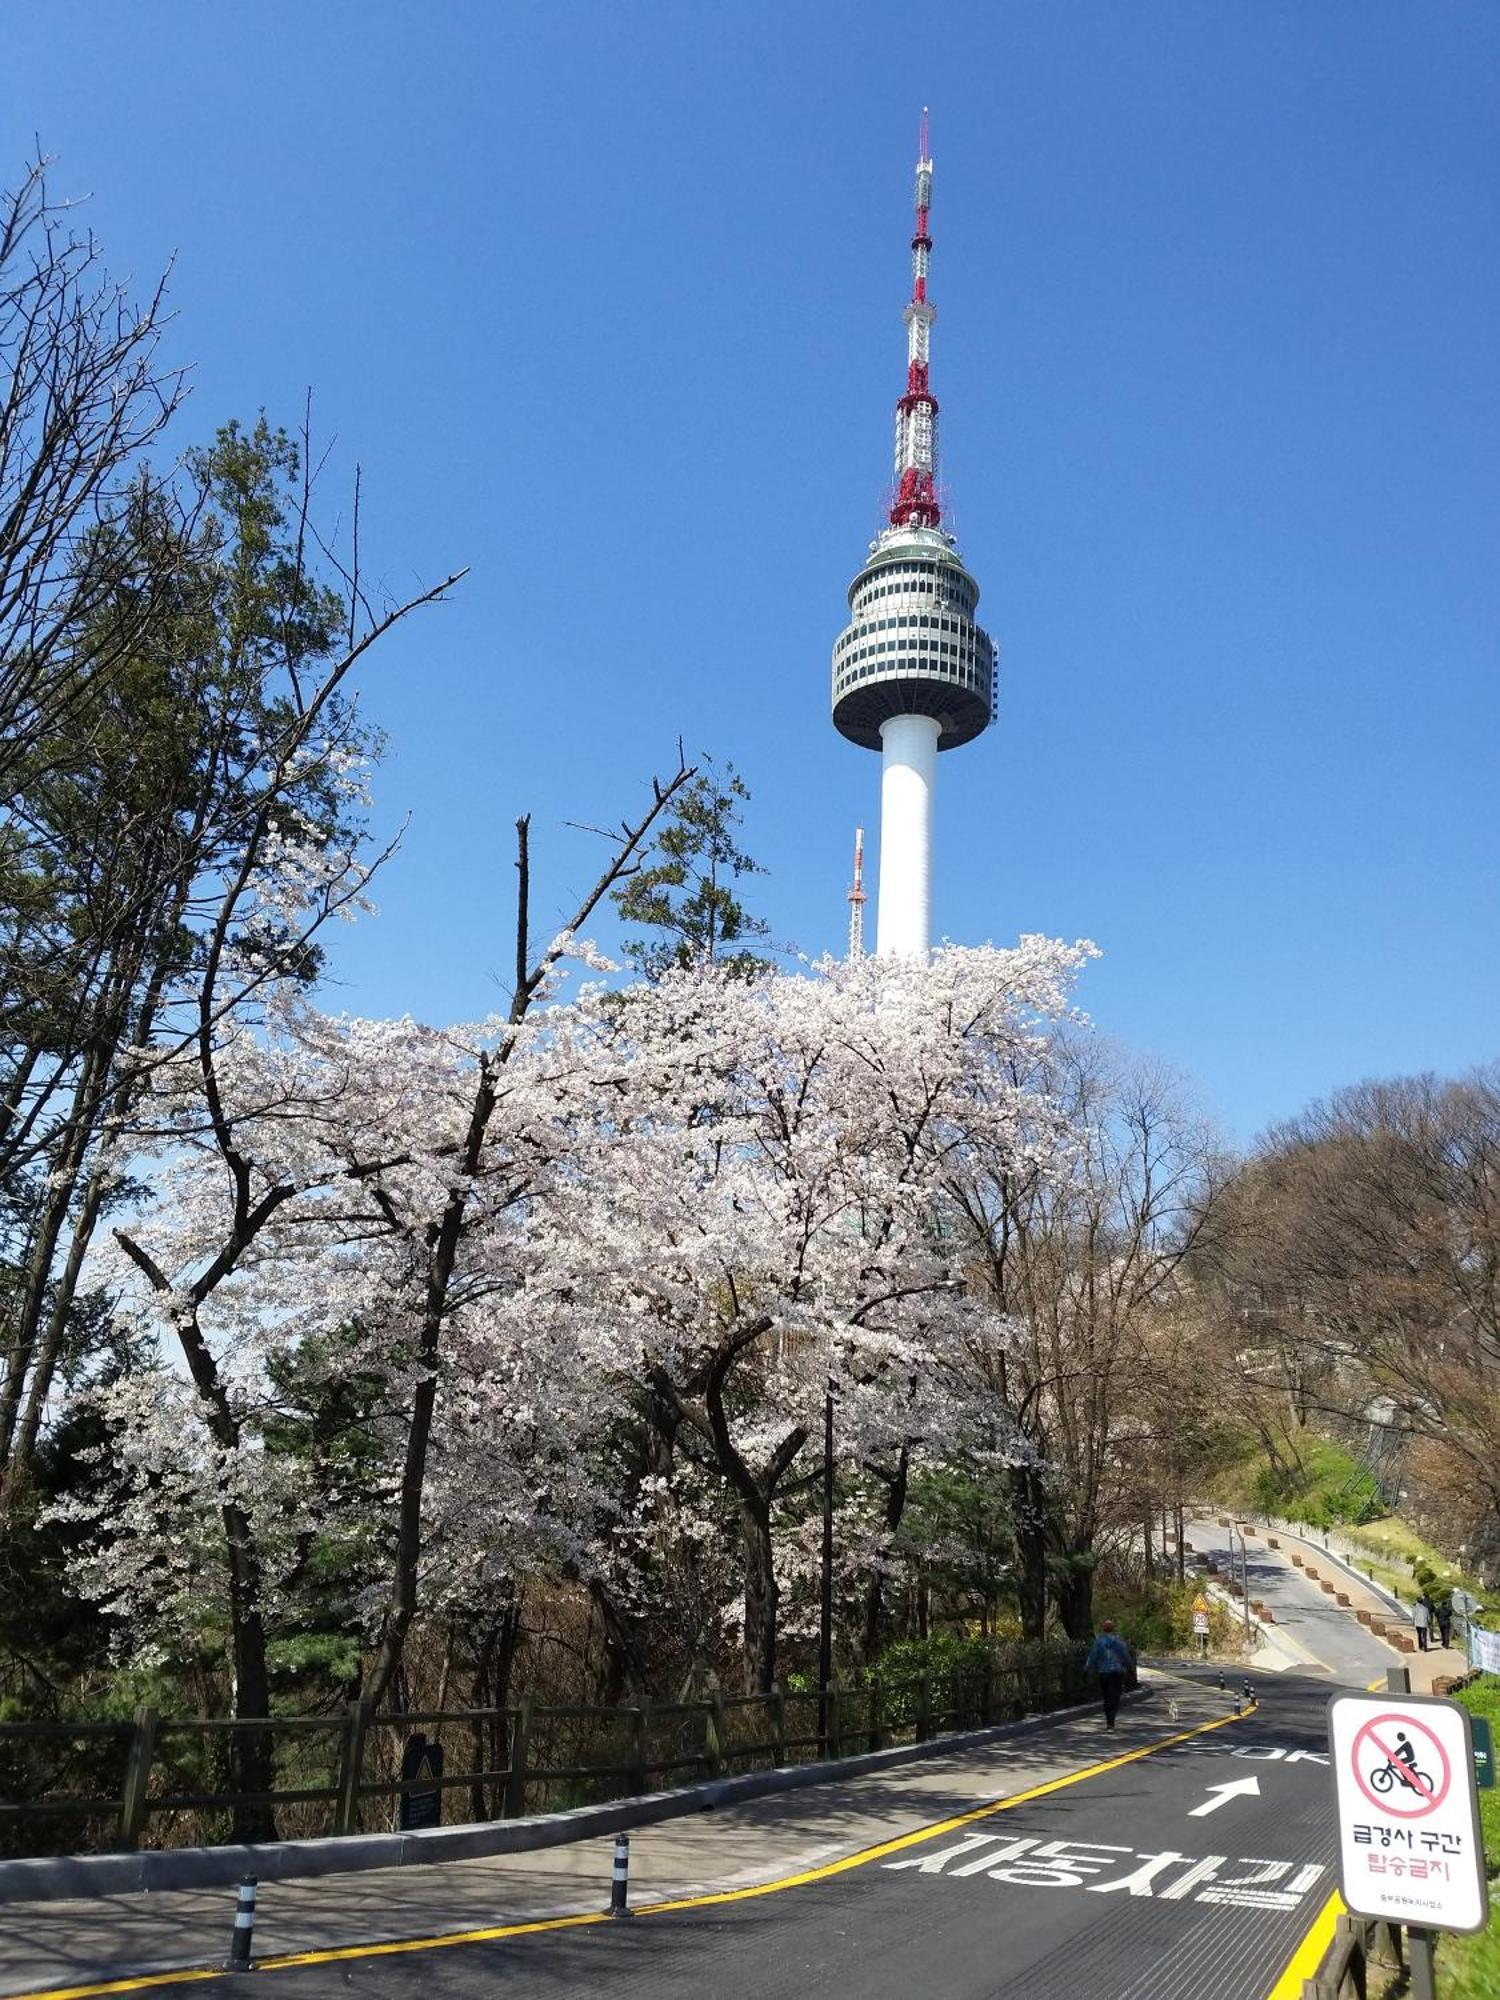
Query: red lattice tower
{"type": "Point", "coordinates": [916, 501]}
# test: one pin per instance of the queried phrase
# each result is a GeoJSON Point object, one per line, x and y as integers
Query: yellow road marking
{"type": "Point", "coordinates": [1308, 1956]}
{"type": "Point", "coordinates": [491, 1933]}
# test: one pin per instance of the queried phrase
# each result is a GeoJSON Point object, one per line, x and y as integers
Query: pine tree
{"type": "Point", "coordinates": [687, 894]}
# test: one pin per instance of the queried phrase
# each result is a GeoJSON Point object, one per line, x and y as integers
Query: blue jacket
{"type": "Point", "coordinates": [1109, 1654]}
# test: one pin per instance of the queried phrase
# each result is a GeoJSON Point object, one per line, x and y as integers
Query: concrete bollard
{"type": "Point", "coordinates": [241, 1936]}
{"type": "Point", "coordinates": [619, 1887]}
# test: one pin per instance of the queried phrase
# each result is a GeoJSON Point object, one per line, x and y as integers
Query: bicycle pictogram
{"type": "Point", "coordinates": [1407, 1779]}
{"type": "Point", "coordinates": [1402, 1768]}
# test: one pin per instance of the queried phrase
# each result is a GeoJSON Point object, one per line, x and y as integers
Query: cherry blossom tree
{"type": "Point", "coordinates": [759, 1212]}
{"type": "Point", "coordinates": [691, 1205]}
{"type": "Point", "coordinates": [317, 1173]}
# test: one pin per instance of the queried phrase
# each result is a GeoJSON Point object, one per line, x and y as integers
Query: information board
{"type": "Point", "coordinates": [1484, 1752]}
{"type": "Point", "coordinates": [1408, 1811]}
{"type": "Point", "coordinates": [423, 1804]}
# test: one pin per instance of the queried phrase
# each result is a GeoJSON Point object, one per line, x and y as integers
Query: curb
{"type": "Point", "coordinates": [1398, 1608]}
{"type": "Point", "coordinates": [1295, 1656]}
{"type": "Point", "coordinates": [60, 1878]}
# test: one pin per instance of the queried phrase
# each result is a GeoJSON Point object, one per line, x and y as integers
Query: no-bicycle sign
{"type": "Point", "coordinates": [1409, 1844]}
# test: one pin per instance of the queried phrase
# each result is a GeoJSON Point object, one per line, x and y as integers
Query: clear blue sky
{"type": "Point", "coordinates": [606, 300]}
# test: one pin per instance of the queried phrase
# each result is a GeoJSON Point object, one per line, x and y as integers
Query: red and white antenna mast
{"type": "Point", "coordinates": [857, 898]}
{"type": "Point", "coordinates": [916, 502]}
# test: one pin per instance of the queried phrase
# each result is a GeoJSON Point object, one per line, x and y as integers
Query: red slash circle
{"type": "Point", "coordinates": [1377, 1737]}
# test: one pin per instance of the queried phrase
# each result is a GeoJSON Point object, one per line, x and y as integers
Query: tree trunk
{"type": "Point", "coordinates": [622, 1665]}
{"type": "Point", "coordinates": [251, 1764]}
{"type": "Point", "coordinates": [895, 1507]}
{"type": "Point", "coordinates": [762, 1598]}
{"type": "Point", "coordinates": [44, 1367]}
{"type": "Point", "coordinates": [62, 1183]}
{"type": "Point", "coordinates": [870, 1639]}
{"type": "Point", "coordinates": [1029, 1518]}
{"type": "Point", "coordinates": [1075, 1599]}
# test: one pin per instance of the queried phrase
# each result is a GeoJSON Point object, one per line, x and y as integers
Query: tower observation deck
{"type": "Point", "coordinates": [913, 673]}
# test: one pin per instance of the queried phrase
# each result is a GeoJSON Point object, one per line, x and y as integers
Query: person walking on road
{"type": "Point", "coordinates": [1421, 1617]}
{"type": "Point", "coordinates": [1109, 1658]}
{"type": "Point", "coordinates": [1445, 1620]}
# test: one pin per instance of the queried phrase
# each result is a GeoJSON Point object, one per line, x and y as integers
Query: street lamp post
{"type": "Point", "coordinates": [825, 1626]}
{"type": "Point", "coordinates": [1244, 1573]}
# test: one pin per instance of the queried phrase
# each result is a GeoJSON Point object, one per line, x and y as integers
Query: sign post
{"type": "Point", "coordinates": [1408, 1817]}
{"type": "Point", "coordinates": [1200, 1624]}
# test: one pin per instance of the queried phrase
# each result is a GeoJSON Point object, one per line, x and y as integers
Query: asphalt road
{"type": "Point", "coordinates": [1117, 1886]}
{"type": "Point", "coordinates": [1303, 1610]}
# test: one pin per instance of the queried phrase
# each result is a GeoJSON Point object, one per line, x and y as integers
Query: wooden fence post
{"type": "Point", "coordinates": [351, 1768]}
{"type": "Point", "coordinates": [520, 1748]}
{"type": "Point", "coordinates": [138, 1764]}
{"type": "Point", "coordinates": [924, 1706]}
{"type": "Point", "coordinates": [778, 1722]}
{"type": "Point", "coordinates": [639, 1749]}
{"type": "Point", "coordinates": [715, 1733]}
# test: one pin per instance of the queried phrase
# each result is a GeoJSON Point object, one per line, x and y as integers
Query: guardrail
{"type": "Point", "coordinates": [75, 1787]}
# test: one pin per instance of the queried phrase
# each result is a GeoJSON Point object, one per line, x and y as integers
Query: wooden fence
{"type": "Point", "coordinates": [1363, 1952]}
{"type": "Point", "coordinates": [157, 1781]}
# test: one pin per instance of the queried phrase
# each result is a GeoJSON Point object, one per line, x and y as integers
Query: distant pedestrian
{"type": "Point", "coordinates": [1445, 1620]}
{"type": "Point", "coordinates": [1421, 1617]}
{"type": "Point", "coordinates": [1109, 1658]}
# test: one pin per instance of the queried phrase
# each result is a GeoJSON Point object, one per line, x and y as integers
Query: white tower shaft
{"type": "Point", "coordinates": [908, 774]}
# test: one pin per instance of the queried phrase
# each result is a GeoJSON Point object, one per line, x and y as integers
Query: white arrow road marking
{"type": "Point", "coordinates": [1240, 1787]}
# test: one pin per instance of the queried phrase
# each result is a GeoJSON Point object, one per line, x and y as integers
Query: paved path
{"type": "Point", "coordinates": [1424, 1667]}
{"type": "Point", "coordinates": [1085, 1869]}
{"type": "Point", "coordinates": [1327, 1635]}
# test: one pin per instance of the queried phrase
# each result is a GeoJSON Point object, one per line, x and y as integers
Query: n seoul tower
{"type": "Point", "coordinates": [912, 672]}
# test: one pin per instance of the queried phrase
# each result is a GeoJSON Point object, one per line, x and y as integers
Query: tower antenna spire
{"type": "Point", "coordinates": [916, 501]}
{"type": "Point", "coordinates": [857, 898]}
